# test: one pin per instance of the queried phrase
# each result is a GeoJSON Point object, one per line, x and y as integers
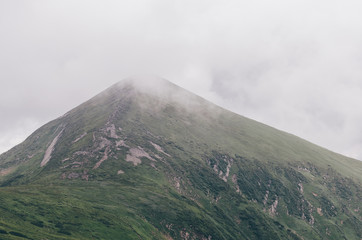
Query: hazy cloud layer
{"type": "Point", "coordinates": [295, 65]}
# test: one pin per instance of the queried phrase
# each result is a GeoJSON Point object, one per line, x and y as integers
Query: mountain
{"type": "Point", "coordinates": [146, 159]}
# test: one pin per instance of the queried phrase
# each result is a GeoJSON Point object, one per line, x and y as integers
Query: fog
{"type": "Point", "coordinates": [294, 65]}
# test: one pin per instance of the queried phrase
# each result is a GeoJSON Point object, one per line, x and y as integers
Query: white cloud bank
{"type": "Point", "coordinates": [295, 65]}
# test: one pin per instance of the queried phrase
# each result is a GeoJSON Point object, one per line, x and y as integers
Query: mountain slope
{"type": "Point", "coordinates": [149, 160]}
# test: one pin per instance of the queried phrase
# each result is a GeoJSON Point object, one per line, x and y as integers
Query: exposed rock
{"type": "Point", "coordinates": [158, 148]}
{"type": "Point", "coordinates": [319, 211]}
{"type": "Point", "coordinates": [153, 165]}
{"type": "Point", "coordinates": [77, 163]}
{"type": "Point", "coordinates": [80, 137]}
{"type": "Point", "coordinates": [310, 210]}
{"type": "Point", "coordinates": [120, 172]}
{"type": "Point", "coordinates": [266, 196]}
{"type": "Point", "coordinates": [235, 181]}
{"type": "Point", "coordinates": [49, 151]}
{"type": "Point", "coordinates": [303, 169]}
{"type": "Point", "coordinates": [104, 158]}
{"type": "Point", "coordinates": [85, 175]}
{"type": "Point", "coordinates": [311, 221]}
{"type": "Point", "coordinates": [220, 173]}
{"type": "Point", "coordinates": [300, 187]}
{"type": "Point", "coordinates": [121, 143]}
{"type": "Point", "coordinates": [133, 159]}
{"type": "Point", "coordinates": [184, 235]}
{"type": "Point", "coordinates": [169, 226]}
{"type": "Point", "coordinates": [215, 168]}
{"type": "Point", "coordinates": [103, 143]}
{"type": "Point", "coordinates": [177, 182]}
{"type": "Point", "coordinates": [140, 152]}
{"type": "Point", "coordinates": [4, 172]}
{"type": "Point", "coordinates": [81, 153]}
{"type": "Point", "coordinates": [73, 175]}
{"type": "Point", "coordinates": [157, 156]}
{"type": "Point", "coordinates": [225, 178]}
{"type": "Point", "coordinates": [168, 237]}
{"type": "Point", "coordinates": [273, 207]}
{"type": "Point", "coordinates": [111, 130]}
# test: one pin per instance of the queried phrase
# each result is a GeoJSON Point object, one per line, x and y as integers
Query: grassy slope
{"type": "Point", "coordinates": [184, 195]}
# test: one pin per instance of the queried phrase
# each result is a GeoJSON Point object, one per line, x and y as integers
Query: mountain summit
{"type": "Point", "coordinates": [146, 159]}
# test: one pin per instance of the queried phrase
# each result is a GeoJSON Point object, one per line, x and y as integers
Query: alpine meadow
{"type": "Point", "coordinates": [151, 160]}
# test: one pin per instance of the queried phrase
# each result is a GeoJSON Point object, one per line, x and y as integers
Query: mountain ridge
{"type": "Point", "coordinates": [219, 174]}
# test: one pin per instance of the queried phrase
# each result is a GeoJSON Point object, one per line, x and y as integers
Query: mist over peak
{"type": "Point", "coordinates": [145, 144]}
{"type": "Point", "coordinates": [149, 84]}
{"type": "Point", "coordinates": [162, 91]}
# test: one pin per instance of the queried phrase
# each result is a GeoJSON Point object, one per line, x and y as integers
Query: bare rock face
{"type": "Point", "coordinates": [159, 149]}
{"type": "Point", "coordinates": [80, 137]}
{"type": "Point", "coordinates": [104, 158]}
{"type": "Point", "coordinates": [50, 149]}
{"type": "Point", "coordinates": [135, 155]}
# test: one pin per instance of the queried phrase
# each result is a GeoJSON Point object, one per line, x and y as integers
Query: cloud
{"type": "Point", "coordinates": [294, 65]}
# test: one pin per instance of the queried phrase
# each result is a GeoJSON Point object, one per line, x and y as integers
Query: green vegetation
{"type": "Point", "coordinates": [131, 164]}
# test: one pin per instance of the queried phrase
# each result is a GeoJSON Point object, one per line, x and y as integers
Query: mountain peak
{"type": "Point", "coordinates": [173, 166]}
{"type": "Point", "coordinates": [143, 88]}
{"type": "Point", "coordinates": [147, 83]}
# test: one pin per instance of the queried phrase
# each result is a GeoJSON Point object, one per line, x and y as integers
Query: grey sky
{"type": "Point", "coordinates": [294, 65]}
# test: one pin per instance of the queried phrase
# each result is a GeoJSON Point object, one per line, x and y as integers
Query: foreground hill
{"type": "Point", "coordinates": [149, 160]}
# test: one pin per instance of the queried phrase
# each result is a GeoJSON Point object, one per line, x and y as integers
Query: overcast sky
{"type": "Point", "coordinates": [293, 64]}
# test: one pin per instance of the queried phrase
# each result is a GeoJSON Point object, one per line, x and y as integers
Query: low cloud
{"type": "Point", "coordinates": [294, 65]}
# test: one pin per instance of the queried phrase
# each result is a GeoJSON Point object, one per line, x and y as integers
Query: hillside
{"type": "Point", "coordinates": [150, 160]}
